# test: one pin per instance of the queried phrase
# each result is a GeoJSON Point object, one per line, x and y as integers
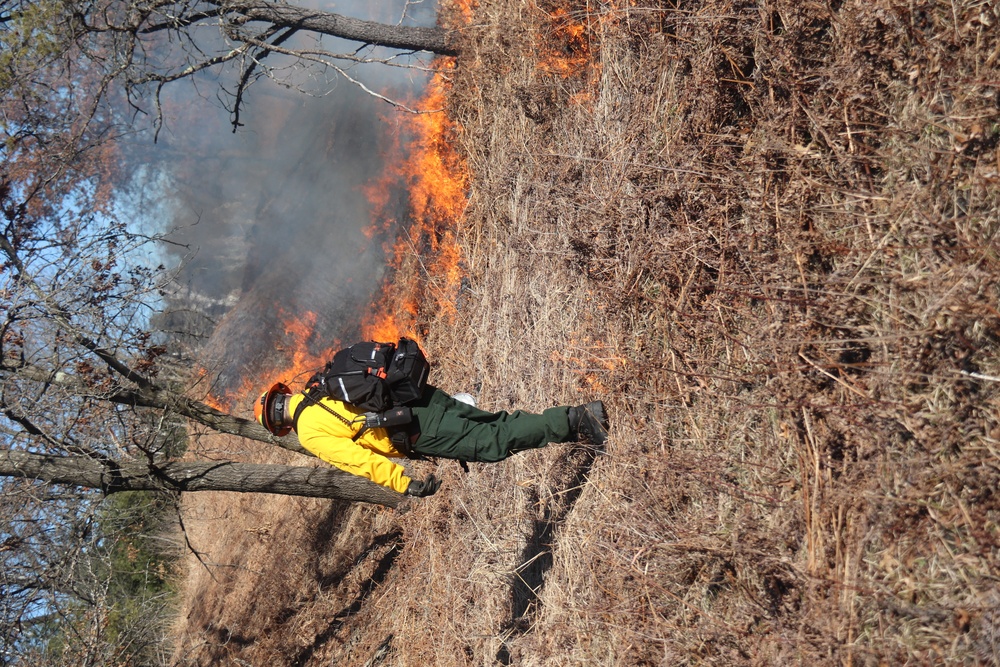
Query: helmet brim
{"type": "Point", "coordinates": [263, 410]}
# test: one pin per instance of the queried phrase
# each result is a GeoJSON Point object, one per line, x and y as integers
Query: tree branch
{"type": "Point", "coordinates": [156, 397]}
{"type": "Point", "coordinates": [111, 477]}
{"type": "Point", "coordinates": [181, 22]}
{"type": "Point", "coordinates": [61, 315]}
{"type": "Point", "coordinates": [262, 53]}
{"type": "Point", "coordinates": [408, 38]}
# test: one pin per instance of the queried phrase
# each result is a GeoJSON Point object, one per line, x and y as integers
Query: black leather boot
{"type": "Point", "coordinates": [589, 423]}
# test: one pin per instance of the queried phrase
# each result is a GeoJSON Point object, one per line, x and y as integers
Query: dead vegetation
{"type": "Point", "coordinates": [765, 234]}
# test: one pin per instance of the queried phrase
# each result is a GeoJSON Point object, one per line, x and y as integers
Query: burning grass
{"type": "Point", "coordinates": [425, 261]}
{"type": "Point", "coordinates": [765, 234]}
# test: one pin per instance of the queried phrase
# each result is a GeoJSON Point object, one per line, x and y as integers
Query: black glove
{"type": "Point", "coordinates": [425, 488]}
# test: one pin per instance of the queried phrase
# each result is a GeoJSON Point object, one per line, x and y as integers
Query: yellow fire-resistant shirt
{"type": "Point", "coordinates": [330, 439]}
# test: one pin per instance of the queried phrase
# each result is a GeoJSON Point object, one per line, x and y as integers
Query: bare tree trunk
{"type": "Point", "coordinates": [409, 38]}
{"type": "Point", "coordinates": [152, 395]}
{"type": "Point", "coordinates": [156, 397]}
{"type": "Point", "coordinates": [110, 477]}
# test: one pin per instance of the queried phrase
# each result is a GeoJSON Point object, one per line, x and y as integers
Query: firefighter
{"type": "Point", "coordinates": [439, 426]}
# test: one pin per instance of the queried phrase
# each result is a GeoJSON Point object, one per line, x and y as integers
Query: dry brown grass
{"type": "Point", "coordinates": [765, 234]}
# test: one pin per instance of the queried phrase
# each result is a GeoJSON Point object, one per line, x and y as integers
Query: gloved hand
{"type": "Point", "coordinates": [425, 488]}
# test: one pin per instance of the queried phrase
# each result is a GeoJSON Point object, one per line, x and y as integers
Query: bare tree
{"type": "Point", "coordinates": [89, 408]}
{"type": "Point", "coordinates": [147, 44]}
{"type": "Point", "coordinates": [86, 409]}
{"type": "Point", "coordinates": [85, 414]}
{"type": "Point", "coordinates": [80, 395]}
{"type": "Point", "coordinates": [78, 586]}
{"type": "Point", "coordinates": [79, 367]}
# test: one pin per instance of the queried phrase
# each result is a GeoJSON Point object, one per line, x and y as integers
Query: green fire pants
{"type": "Point", "coordinates": [455, 430]}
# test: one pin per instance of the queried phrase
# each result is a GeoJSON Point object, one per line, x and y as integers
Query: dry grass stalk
{"type": "Point", "coordinates": [765, 234]}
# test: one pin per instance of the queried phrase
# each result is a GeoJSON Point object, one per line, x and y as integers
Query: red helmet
{"type": "Point", "coordinates": [270, 413]}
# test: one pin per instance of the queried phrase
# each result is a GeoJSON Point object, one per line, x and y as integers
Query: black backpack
{"type": "Point", "coordinates": [374, 376]}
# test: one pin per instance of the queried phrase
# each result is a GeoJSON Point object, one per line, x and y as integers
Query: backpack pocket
{"type": "Point", "coordinates": [408, 371]}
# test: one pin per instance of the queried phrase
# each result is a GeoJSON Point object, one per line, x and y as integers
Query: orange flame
{"type": "Point", "coordinates": [295, 366]}
{"type": "Point", "coordinates": [567, 51]}
{"type": "Point", "coordinates": [303, 362]}
{"type": "Point", "coordinates": [211, 401]}
{"type": "Point", "coordinates": [425, 260]}
{"type": "Point", "coordinates": [462, 10]}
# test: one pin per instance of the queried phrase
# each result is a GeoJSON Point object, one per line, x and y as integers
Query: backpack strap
{"type": "Point", "coordinates": [308, 398]}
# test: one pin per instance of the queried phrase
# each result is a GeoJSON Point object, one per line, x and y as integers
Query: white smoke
{"type": "Point", "coordinates": [271, 217]}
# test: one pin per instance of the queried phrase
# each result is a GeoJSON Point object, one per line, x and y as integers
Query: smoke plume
{"type": "Point", "coordinates": [270, 219]}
